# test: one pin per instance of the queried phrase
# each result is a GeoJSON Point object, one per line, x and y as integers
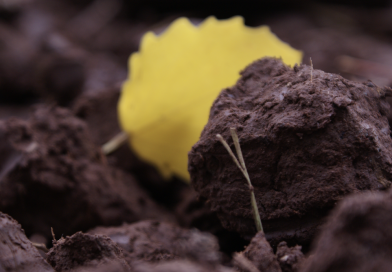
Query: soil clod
{"type": "Point", "coordinates": [260, 253]}
{"type": "Point", "coordinates": [290, 258]}
{"type": "Point", "coordinates": [61, 179]}
{"type": "Point", "coordinates": [17, 253]}
{"type": "Point", "coordinates": [86, 251]}
{"type": "Point", "coordinates": [357, 236]}
{"type": "Point", "coordinates": [306, 146]}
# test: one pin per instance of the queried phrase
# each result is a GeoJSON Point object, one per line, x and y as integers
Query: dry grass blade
{"type": "Point", "coordinates": [40, 246]}
{"type": "Point", "coordinates": [114, 143]}
{"type": "Point", "coordinates": [311, 70]}
{"type": "Point", "coordinates": [242, 167]}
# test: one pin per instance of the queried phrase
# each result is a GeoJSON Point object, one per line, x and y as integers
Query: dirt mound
{"type": "Point", "coordinates": [181, 266]}
{"type": "Point", "coordinates": [290, 258]}
{"type": "Point", "coordinates": [153, 241]}
{"type": "Point", "coordinates": [16, 251]}
{"type": "Point", "coordinates": [357, 237]}
{"type": "Point", "coordinates": [55, 176]}
{"type": "Point", "coordinates": [85, 250]}
{"type": "Point", "coordinates": [308, 138]}
{"type": "Point", "coordinates": [260, 253]}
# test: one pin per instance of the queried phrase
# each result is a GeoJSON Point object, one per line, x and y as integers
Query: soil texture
{"type": "Point", "coordinates": [308, 137]}
{"type": "Point", "coordinates": [182, 266]}
{"type": "Point", "coordinates": [16, 251]}
{"type": "Point", "coordinates": [81, 251]}
{"type": "Point", "coordinates": [357, 236]}
{"type": "Point", "coordinates": [55, 176]}
{"type": "Point", "coordinates": [154, 241]}
{"type": "Point", "coordinates": [290, 258]}
{"type": "Point", "coordinates": [260, 253]}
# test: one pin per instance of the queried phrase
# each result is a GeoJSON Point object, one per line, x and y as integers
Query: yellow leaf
{"type": "Point", "coordinates": [175, 78]}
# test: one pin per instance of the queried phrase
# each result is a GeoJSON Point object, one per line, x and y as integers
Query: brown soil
{"type": "Point", "coordinates": [260, 253]}
{"type": "Point", "coordinates": [181, 266]}
{"type": "Point", "coordinates": [307, 142]}
{"type": "Point", "coordinates": [55, 176]}
{"type": "Point", "coordinates": [357, 236]}
{"type": "Point", "coordinates": [16, 251]}
{"type": "Point", "coordinates": [74, 53]}
{"type": "Point", "coordinates": [84, 250]}
{"type": "Point", "coordinates": [154, 241]}
{"type": "Point", "coordinates": [290, 259]}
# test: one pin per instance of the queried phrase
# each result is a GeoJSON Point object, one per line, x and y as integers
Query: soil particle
{"type": "Point", "coordinates": [290, 258]}
{"type": "Point", "coordinates": [308, 138]}
{"type": "Point", "coordinates": [16, 251]}
{"type": "Point", "coordinates": [57, 177]}
{"type": "Point", "coordinates": [357, 236]}
{"type": "Point", "coordinates": [181, 266]}
{"type": "Point", "coordinates": [154, 241]}
{"type": "Point", "coordinates": [260, 253]}
{"type": "Point", "coordinates": [86, 250]}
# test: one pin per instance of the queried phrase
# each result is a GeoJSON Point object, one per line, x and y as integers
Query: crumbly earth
{"type": "Point", "coordinates": [16, 251]}
{"type": "Point", "coordinates": [55, 176]}
{"type": "Point", "coordinates": [154, 241]}
{"type": "Point", "coordinates": [260, 253]}
{"type": "Point", "coordinates": [181, 266]}
{"type": "Point", "coordinates": [357, 236]}
{"type": "Point", "coordinates": [290, 258]}
{"type": "Point", "coordinates": [86, 251]}
{"type": "Point", "coordinates": [308, 138]}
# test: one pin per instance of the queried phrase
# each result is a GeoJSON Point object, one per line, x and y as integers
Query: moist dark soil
{"type": "Point", "coordinates": [290, 259]}
{"type": "Point", "coordinates": [86, 250]}
{"type": "Point", "coordinates": [260, 253]}
{"type": "Point", "coordinates": [357, 236]}
{"type": "Point", "coordinates": [305, 150]}
{"type": "Point", "coordinates": [154, 241]}
{"type": "Point", "coordinates": [16, 251]}
{"type": "Point", "coordinates": [308, 138]}
{"type": "Point", "coordinates": [53, 175]}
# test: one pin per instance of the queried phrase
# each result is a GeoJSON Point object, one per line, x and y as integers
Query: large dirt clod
{"type": "Point", "coordinates": [17, 253]}
{"type": "Point", "coordinates": [309, 138]}
{"type": "Point", "coordinates": [55, 176]}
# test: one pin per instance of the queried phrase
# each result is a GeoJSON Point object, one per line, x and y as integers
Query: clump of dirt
{"type": "Point", "coordinates": [308, 138]}
{"type": "Point", "coordinates": [357, 237]}
{"type": "Point", "coordinates": [85, 250]}
{"type": "Point", "coordinates": [55, 176]}
{"type": "Point", "coordinates": [181, 266]}
{"type": "Point", "coordinates": [16, 251]}
{"type": "Point", "coordinates": [260, 253]}
{"type": "Point", "coordinates": [290, 258]}
{"type": "Point", "coordinates": [154, 241]}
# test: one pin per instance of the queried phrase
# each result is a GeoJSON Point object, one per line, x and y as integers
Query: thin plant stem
{"type": "Point", "coordinates": [311, 70]}
{"type": "Point", "coordinates": [230, 152]}
{"type": "Point", "coordinates": [242, 167]}
{"type": "Point", "coordinates": [114, 143]}
{"type": "Point", "coordinates": [40, 246]}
